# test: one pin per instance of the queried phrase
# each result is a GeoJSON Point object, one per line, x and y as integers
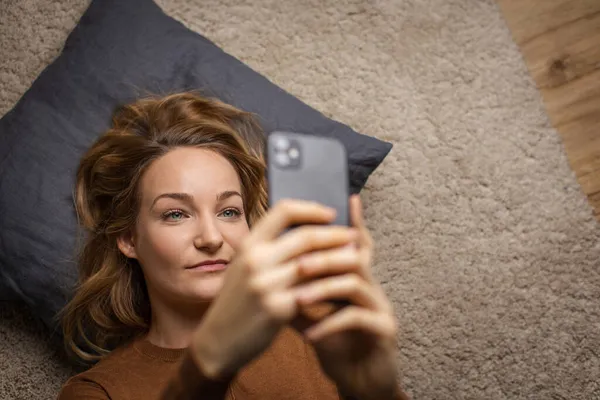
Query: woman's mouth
{"type": "Point", "coordinates": [210, 266]}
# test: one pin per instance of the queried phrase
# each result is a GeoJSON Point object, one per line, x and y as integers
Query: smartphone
{"type": "Point", "coordinates": [307, 167]}
{"type": "Point", "coordinates": [314, 168]}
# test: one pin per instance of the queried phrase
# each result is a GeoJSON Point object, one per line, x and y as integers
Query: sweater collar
{"type": "Point", "coordinates": [163, 353]}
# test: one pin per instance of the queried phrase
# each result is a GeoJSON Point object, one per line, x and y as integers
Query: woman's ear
{"type": "Point", "coordinates": [126, 245]}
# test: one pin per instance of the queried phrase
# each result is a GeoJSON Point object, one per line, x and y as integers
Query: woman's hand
{"type": "Point", "coordinates": [356, 343]}
{"type": "Point", "coordinates": [257, 297]}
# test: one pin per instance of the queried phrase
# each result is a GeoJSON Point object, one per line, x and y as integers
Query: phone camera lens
{"type": "Point", "coordinates": [282, 159]}
{"type": "Point", "coordinates": [294, 153]}
{"type": "Point", "coordinates": [281, 144]}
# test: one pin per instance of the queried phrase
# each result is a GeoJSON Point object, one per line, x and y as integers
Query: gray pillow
{"type": "Point", "coordinates": [118, 51]}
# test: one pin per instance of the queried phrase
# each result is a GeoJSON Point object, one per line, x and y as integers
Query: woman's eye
{"type": "Point", "coordinates": [174, 215]}
{"type": "Point", "coordinates": [231, 213]}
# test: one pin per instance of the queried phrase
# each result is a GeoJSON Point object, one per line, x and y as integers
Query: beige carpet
{"type": "Point", "coordinates": [486, 244]}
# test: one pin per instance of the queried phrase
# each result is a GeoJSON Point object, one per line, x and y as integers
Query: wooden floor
{"type": "Point", "coordinates": [560, 41]}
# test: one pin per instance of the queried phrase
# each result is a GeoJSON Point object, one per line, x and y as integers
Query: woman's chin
{"type": "Point", "coordinates": [207, 287]}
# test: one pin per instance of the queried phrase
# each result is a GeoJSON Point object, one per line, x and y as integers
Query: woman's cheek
{"type": "Point", "coordinates": [238, 235]}
{"type": "Point", "coordinates": [169, 242]}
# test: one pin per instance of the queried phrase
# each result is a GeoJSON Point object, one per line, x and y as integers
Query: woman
{"type": "Point", "coordinates": [180, 298]}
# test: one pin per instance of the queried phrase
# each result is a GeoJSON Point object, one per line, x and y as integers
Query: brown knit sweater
{"type": "Point", "coordinates": [287, 370]}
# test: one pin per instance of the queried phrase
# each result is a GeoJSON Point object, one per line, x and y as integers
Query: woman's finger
{"type": "Point", "coordinates": [284, 276]}
{"type": "Point", "coordinates": [330, 262]}
{"type": "Point", "coordinates": [349, 287]}
{"type": "Point", "coordinates": [365, 241]}
{"type": "Point", "coordinates": [356, 216]}
{"type": "Point", "coordinates": [280, 305]}
{"type": "Point", "coordinates": [287, 213]}
{"type": "Point", "coordinates": [307, 239]}
{"type": "Point", "coordinates": [354, 318]}
{"type": "Point", "coordinates": [358, 221]}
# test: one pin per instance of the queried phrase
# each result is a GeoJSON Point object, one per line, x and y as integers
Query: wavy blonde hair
{"type": "Point", "coordinates": [110, 305]}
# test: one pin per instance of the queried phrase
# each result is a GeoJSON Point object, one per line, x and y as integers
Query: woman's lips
{"type": "Point", "coordinates": [209, 267]}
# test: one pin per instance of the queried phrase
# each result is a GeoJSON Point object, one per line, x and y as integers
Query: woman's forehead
{"type": "Point", "coordinates": [201, 173]}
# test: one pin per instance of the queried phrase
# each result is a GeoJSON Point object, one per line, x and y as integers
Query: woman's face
{"type": "Point", "coordinates": [191, 213]}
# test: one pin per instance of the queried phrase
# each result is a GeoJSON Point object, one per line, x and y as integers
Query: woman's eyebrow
{"type": "Point", "coordinates": [177, 196]}
{"type": "Point", "coordinates": [189, 198]}
{"type": "Point", "coordinates": [227, 194]}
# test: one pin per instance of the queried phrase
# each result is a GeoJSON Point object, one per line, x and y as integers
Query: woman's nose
{"type": "Point", "coordinates": [208, 236]}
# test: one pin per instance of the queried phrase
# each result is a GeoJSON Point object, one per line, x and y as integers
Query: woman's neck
{"type": "Point", "coordinates": [172, 326]}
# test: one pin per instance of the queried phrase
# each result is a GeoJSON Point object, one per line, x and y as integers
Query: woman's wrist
{"type": "Point", "coordinates": [209, 359]}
